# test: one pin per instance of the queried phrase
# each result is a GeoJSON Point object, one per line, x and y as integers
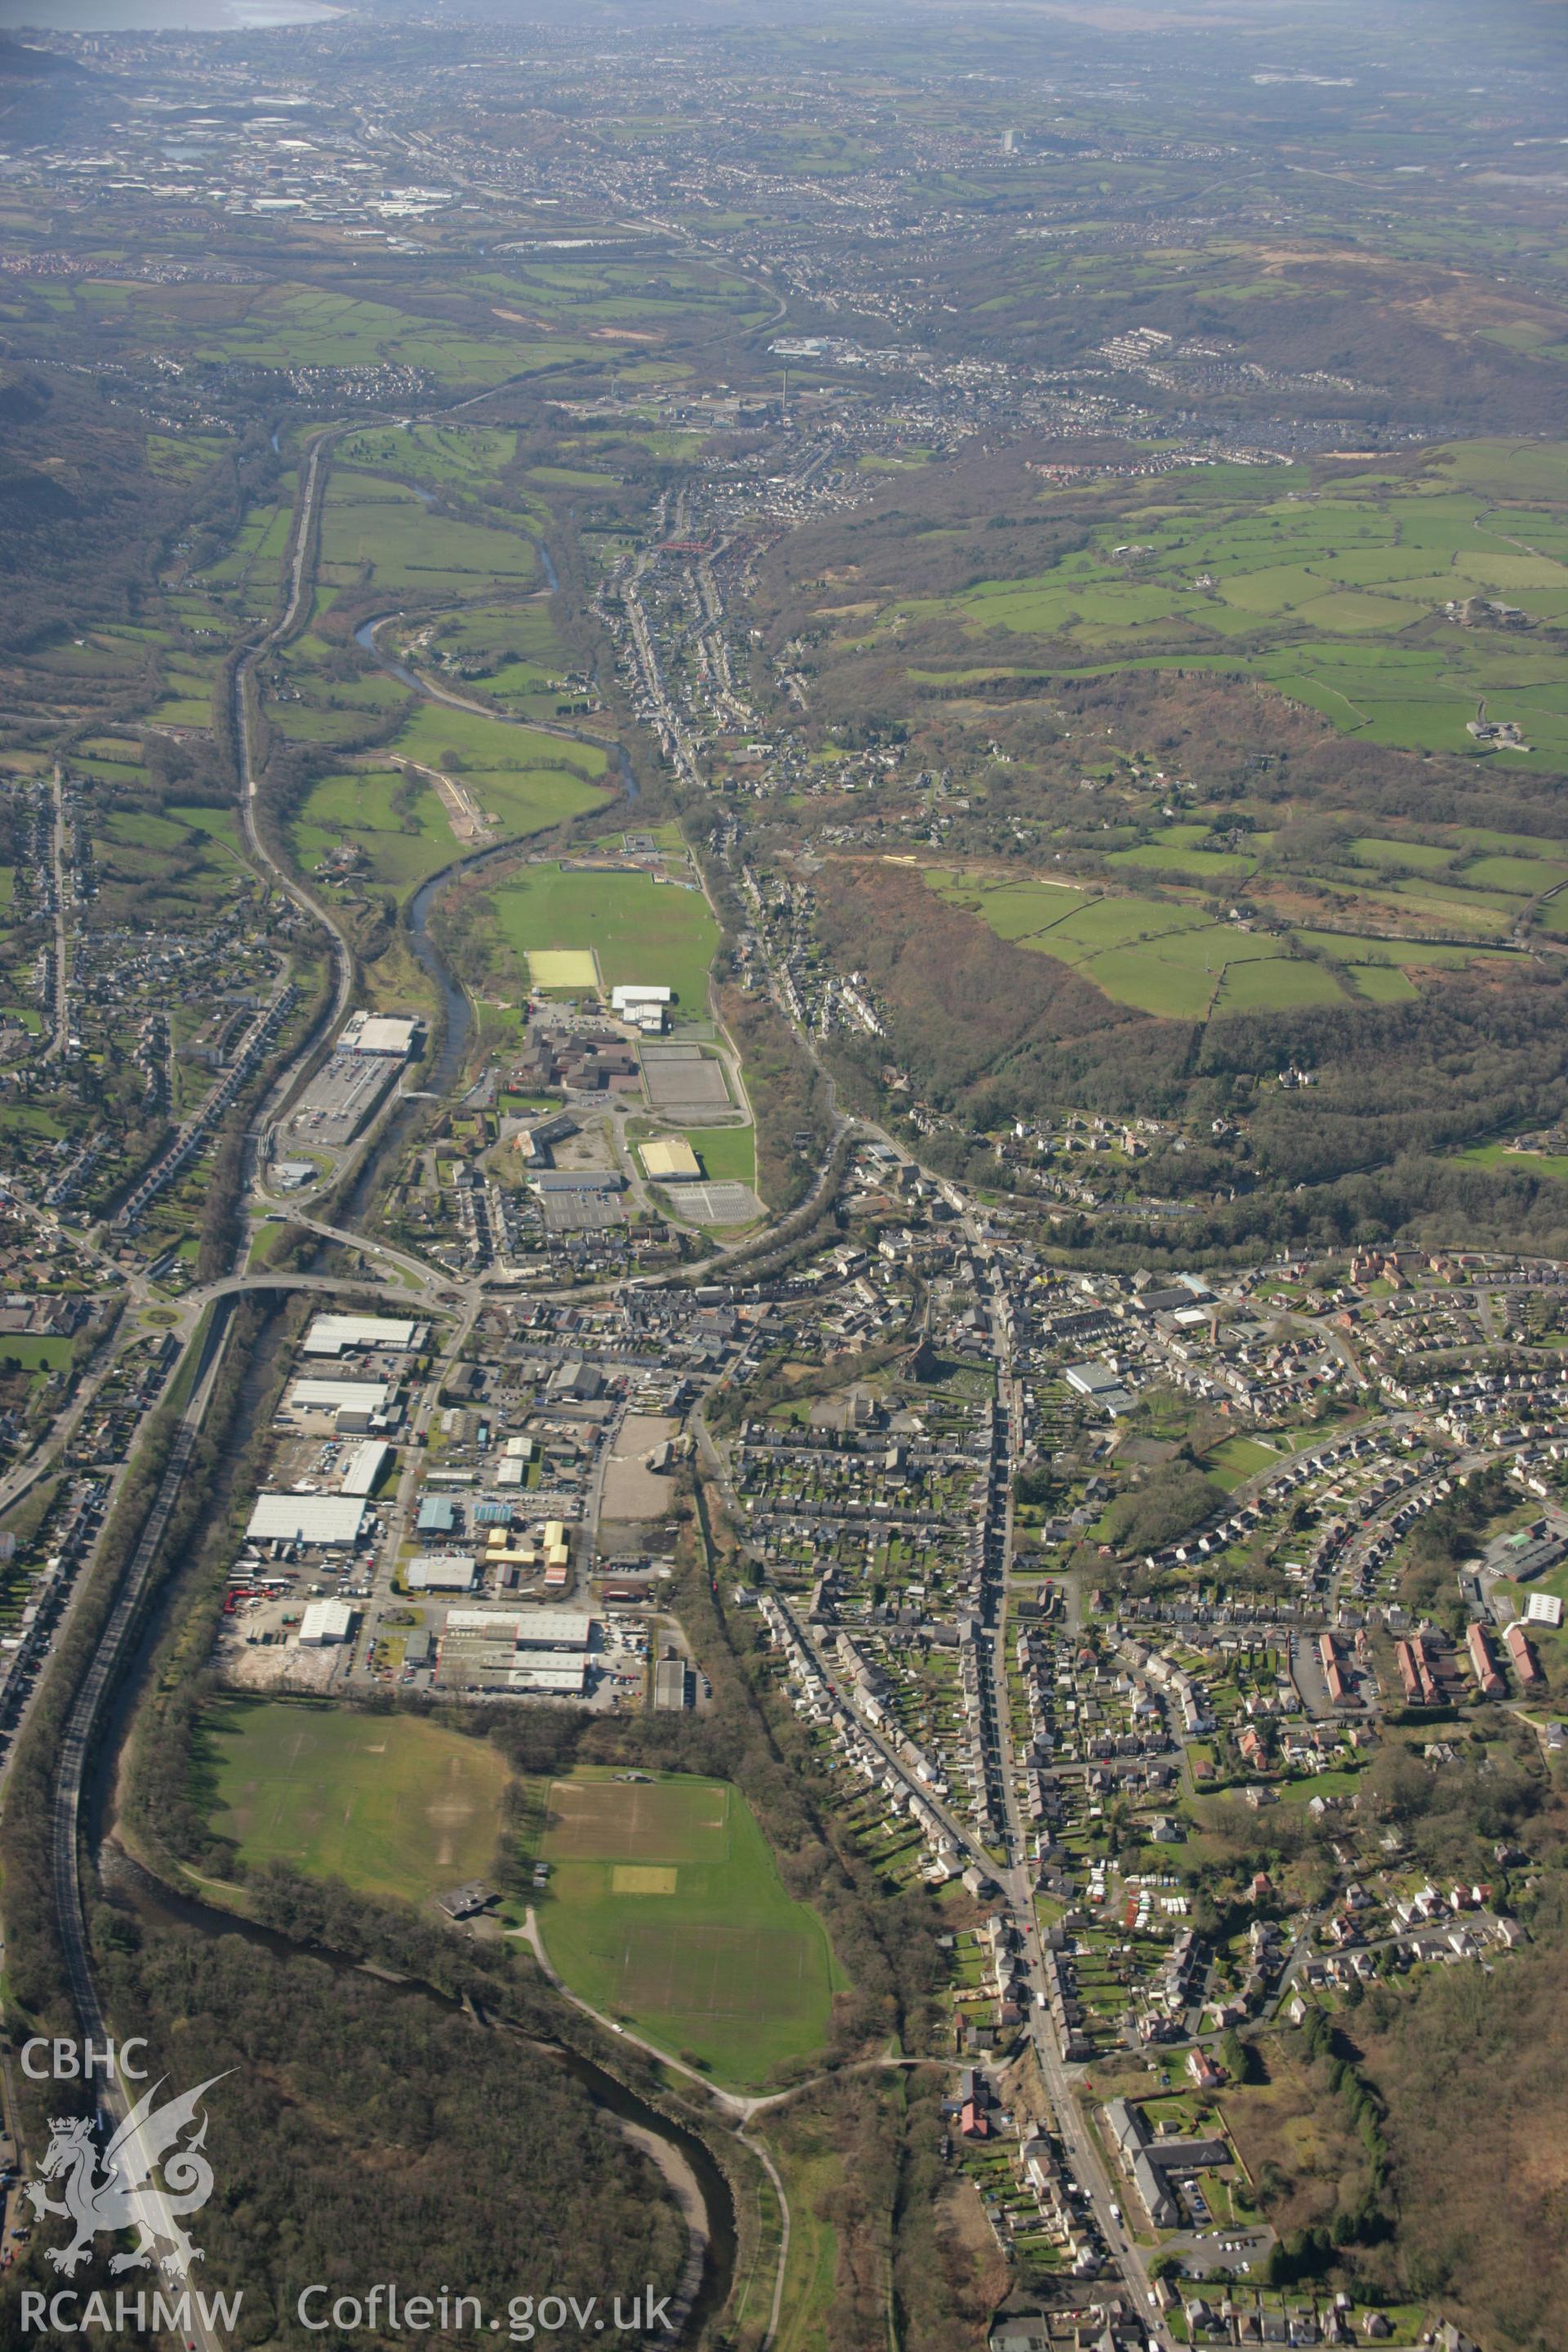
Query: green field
{"type": "Point", "coordinates": [666, 1908]}
{"type": "Point", "coordinates": [523, 657]}
{"type": "Point", "coordinates": [395, 818]}
{"type": "Point", "coordinates": [641, 930]}
{"type": "Point", "coordinates": [371, 524]}
{"type": "Point", "coordinates": [392, 1805]}
{"type": "Point", "coordinates": [1168, 957]}
{"type": "Point", "coordinates": [466, 457]}
{"type": "Point", "coordinates": [1521, 1163]}
{"type": "Point", "coordinates": [522, 778]}
{"type": "Point", "coordinates": [1336, 591]}
{"type": "Point", "coordinates": [729, 1154]}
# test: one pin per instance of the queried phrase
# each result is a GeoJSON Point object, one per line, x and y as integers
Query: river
{"type": "Point", "coordinates": [683, 2158]}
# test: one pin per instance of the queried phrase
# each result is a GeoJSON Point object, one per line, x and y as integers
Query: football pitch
{"type": "Point", "coordinates": [635, 930]}
{"type": "Point", "coordinates": [393, 1805]}
{"type": "Point", "coordinates": [666, 1909]}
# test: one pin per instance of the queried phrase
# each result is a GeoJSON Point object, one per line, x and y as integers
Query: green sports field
{"type": "Point", "coordinates": [641, 930]}
{"type": "Point", "coordinates": [391, 1804]}
{"type": "Point", "coordinates": [666, 1909]}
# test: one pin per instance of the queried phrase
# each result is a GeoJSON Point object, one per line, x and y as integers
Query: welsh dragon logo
{"type": "Point", "coordinates": [116, 2190]}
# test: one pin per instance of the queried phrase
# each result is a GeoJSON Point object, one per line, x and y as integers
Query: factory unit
{"type": "Point", "coordinates": [439, 1571]}
{"type": "Point", "coordinates": [355, 1406]}
{"type": "Point", "coordinates": [363, 1466]}
{"type": "Point", "coordinates": [326, 1622]}
{"type": "Point", "coordinates": [333, 1335]}
{"type": "Point", "coordinates": [322, 1522]}
{"type": "Point", "coordinates": [539, 1653]}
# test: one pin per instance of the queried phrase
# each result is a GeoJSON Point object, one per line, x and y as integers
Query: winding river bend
{"type": "Point", "coordinates": [457, 1013]}
{"type": "Point", "coordinates": [677, 2152]}
{"type": "Point", "coordinates": [694, 2178]}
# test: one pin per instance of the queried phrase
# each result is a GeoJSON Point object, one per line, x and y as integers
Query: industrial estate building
{"type": "Point", "coordinates": [336, 1335]}
{"type": "Point", "coordinates": [324, 1522]}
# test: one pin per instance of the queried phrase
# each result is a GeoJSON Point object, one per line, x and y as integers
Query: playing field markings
{"type": "Point", "coordinates": [643, 1878]}
{"type": "Point", "coordinates": [616, 1821]}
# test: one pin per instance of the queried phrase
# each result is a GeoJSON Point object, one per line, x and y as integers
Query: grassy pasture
{"type": "Point", "coordinates": [396, 819]}
{"type": "Point", "coordinates": [392, 1805]}
{"type": "Point", "coordinates": [1282, 985]}
{"type": "Point", "coordinates": [524, 779]}
{"type": "Point", "coordinates": [467, 458]}
{"type": "Point", "coordinates": [370, 522]}
{"type": "Point", "coordinates": [1176, 960]}
{"type": "Point", "coordinates": [666, 1907]}
{"type": "Point", "coordinates": [1337, 593]}
{"type": "Point", "coordinates": [519, 643]}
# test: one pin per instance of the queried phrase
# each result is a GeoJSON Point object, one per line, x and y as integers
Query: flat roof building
{"type": "Point", "coordinates": [532, 1629]}
{"type": "Point", "coordinates": [324, 1622]}
{"type": "Point", "coordinates": [671, 1160]}
{"type": "Point", "coordinates": [580, 1180]}
{"type": "Point", "coordinates": [326, 1522]}
{"type": "Point", "coordinates": [380, 1034]}
{"type": "Point", "coordinates": [364, 1467]}
{"type": "Point", "coordinates": [556, 1675]}
{"type": "Point", "coordinates": [672, 1685]}
{"type": "Point", "coordinates": [338, 1396]}
{"type": "Point", "coordinates": [439, 1571]}
{"type": "Point", "coordinates": [331, 1335]}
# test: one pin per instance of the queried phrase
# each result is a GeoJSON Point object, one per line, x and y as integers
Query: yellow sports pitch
{"type": "Point", "coordinates": [643, 1878]}
{"type": "Point", "coordinates": [563, 968]}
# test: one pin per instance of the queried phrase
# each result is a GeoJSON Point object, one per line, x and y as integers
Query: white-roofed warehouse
{"type": "Point", "coordinates": [329, 1335]}
{"type": "Point", "coordinates": [325, 1622]}
{"type": "Point", "coordinates": [327, 1522]}
{"type": "Point", "coordinates": [439, 1571]}
{"type": "Point", "coordinates": [338, 1396]}
{"type": "Point", "coordinates": [363, 1466]}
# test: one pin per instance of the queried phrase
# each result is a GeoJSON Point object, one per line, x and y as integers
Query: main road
{"type": "Point", "coordinates": [1084, 2157]}
{"type": "Point", "coordinates": [244, 715]}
